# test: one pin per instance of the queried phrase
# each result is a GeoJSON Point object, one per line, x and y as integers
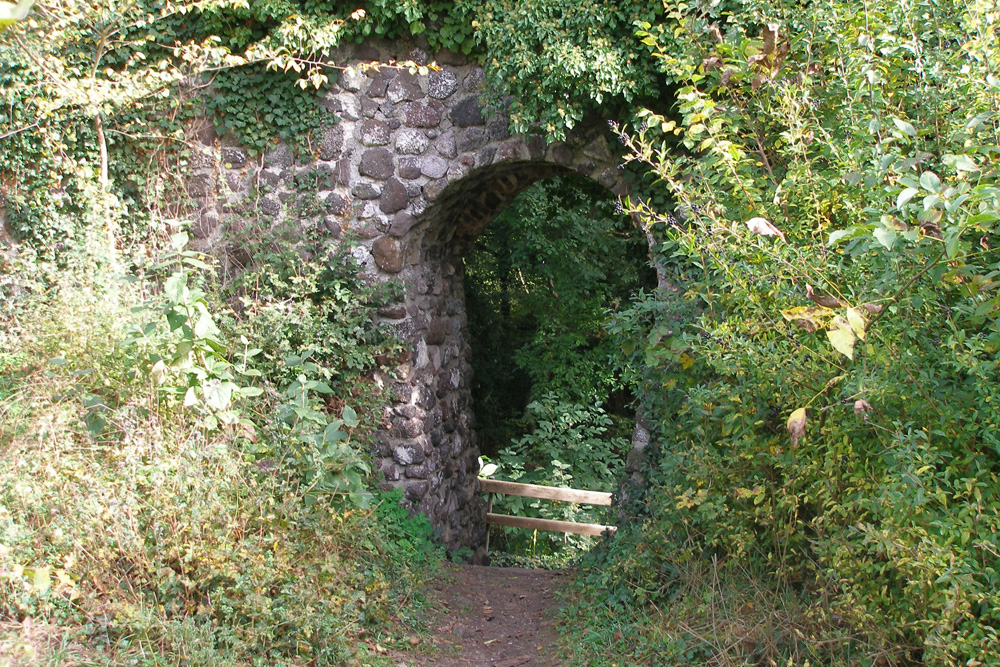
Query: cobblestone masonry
{"type": "Point", "coordinates": [415, 169]}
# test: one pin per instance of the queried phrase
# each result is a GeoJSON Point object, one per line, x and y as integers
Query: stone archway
{"type": "Point", "coordinates": [414, 169]}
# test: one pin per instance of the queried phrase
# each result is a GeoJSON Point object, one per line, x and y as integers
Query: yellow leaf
{"type": "Point", "coordinates": [686, 361]}
{"type": "Point", "coordinates": [856, 318]}
{"type": "Point", "coordinates": [841, 336]}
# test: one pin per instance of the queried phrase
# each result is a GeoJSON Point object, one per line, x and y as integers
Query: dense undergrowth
{"type": "Point", "coordinates": [821, 372]}
{"type": "Point", "coordinates": [213, 509]}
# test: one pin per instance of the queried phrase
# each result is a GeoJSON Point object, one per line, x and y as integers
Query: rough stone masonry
{"type": "Point", "coordinates": [415, 169]}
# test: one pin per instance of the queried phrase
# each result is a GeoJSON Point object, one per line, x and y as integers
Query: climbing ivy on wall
{"type": "Point", "coordinates": [257, 106]}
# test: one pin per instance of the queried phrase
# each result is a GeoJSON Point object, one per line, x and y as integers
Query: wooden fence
{"type": "Point", "coordinates": [491, 486]}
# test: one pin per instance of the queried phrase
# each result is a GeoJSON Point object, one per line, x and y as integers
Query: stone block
{"type": "Point", "coordinates": [475, 79]}
{"type": "Point", "coordinates": [391, 471]}
{"type": "Point", "coordinates": [393, 312]}
{"type": "Point", "coordinates": [207, 222]}
{"type": "Point", "coordinates": [201, 185]}
{"type": "Point", "coordinates": [411, 142]}
{"type": "Point", "coordinates": [279, 156]}
{"type": "Point", "coordinates": [472, 138]}
{"type": "Point", "coordinates": [332, 143]}
{"type": "Point", "coordinates": [388, 254]}
{"type": "Point", "coordinates": [434, 189]}
{"type": "Point", "coordinates": [376, 163]}
{"type": "Point", "coordinates": [380, 81]}
{"type": "Point", "coordinates": [405, 88]}
{"type": "Point", "coordinates": [234, 158]}
{"type": "Point", "coordinates": [374, 133]}
{"type": "Point", "coordinates": [368, 107]}
{"type": "Point", "coordinates": [416, 491]}
{"type": "Point", "coordinates": [394, 196]}
{"type": "Point", "coordinates": [425, 113]}
{"type": "Point", "coordinates": [269, 204]}
{"type": "Point", "coordinates": [365, 191]}
{"type": "Point", "coordinates": [485, 156]}
{"type": "Point", "coordinates": [237, 181]}
{"type": "Point", "coordinates": [421, 471]}
{"type": "Point", "coordinates": [512, 149]}
{"type": "Point", "coordinates": [433, 166]}
{"type": "Point", "coordinates": [441, 84]}
{"type": "Point", "coordinates": [437, 332]}
{"type": "Point", "coordinates": [351, 80]}
{"type": "Point", "coordinates": [445, 144]}
{"type": "Point", "coordinates": [468, 112]}
{"type": "Point", "coordinates": [337, 205]}
{"type": "Point", "coordinates": [560, 153]}
{"type": "Point", "coordinates": [332, 225]}
{"type": "Point", "coordinates": [409, 168]}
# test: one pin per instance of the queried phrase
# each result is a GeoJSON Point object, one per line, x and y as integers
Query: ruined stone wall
{"type": "Point", "coordinates": [415, 170]}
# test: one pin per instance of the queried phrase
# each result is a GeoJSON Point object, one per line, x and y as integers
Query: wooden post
{"type": "Point", "coordinates": [489, 510]}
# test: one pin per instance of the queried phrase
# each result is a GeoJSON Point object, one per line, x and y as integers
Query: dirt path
{"type": "Point", "coordinates": [491, 617]}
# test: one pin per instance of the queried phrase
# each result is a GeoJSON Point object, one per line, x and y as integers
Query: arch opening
{"type": "Point", "coordinates": [553, 394]}
{"type": "Point", "coordinates": [430, 444]}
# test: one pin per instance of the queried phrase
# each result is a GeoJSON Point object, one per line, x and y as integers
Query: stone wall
{"type": "Point", "coordinates": [415, 169]}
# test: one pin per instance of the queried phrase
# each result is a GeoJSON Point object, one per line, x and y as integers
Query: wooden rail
{"type": "Point", "coordinates": [491, 486]}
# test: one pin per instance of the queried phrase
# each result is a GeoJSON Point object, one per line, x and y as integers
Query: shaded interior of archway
{"type": "Point", "coordinates": [462, 215]}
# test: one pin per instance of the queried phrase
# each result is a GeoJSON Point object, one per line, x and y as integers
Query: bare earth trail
{"type": "Point", "coordinates": [491, 617]}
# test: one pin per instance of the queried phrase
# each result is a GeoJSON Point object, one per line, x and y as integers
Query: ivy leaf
{"type": "Point", "coordinates": [841, 336]}
{"type": "Point", "coordinates": [797, 425]}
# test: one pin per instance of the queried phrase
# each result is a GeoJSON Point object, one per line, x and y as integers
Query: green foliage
{"type": "Point", "coordinates": [179, 347]}
{"type": "Point", "coordinates": [569, 446]}
{"type": "Point", "coordinates": [230, 545]}
{"type": "Point", "coordinates": [561, 59]}
{"type": "Point", "coordinates": [257, 106]}
{"type": "Point", "coordinates": [538, 287]}
{"type": "Point", "coordinates": [823, 392]}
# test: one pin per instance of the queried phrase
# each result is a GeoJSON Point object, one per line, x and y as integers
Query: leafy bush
{"type": "Point", "coordinates": [824, 397]}
{"type": "Point", "coordinates": [570, 447]}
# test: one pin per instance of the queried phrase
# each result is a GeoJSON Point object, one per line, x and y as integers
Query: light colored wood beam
{"type": "Point", "coordinates": [531, 523]}
{"type": "Point", "coordinates": [545, 492]}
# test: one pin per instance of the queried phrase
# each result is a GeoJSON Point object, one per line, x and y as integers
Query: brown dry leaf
{"type": "Point", "coordinates": [770, 35]}
{"type": "Point", "coordinates": [823, 299]}
{"type": "Point", "coordinates": [711, 63]}
{"type": "Point", "coordinates": [861, 406]}
{"type": "Point", "coordinates": [872, 308]}
{"type": "Point", "coordinates": [797, 425]}
{"type": "Point", "coordinates": [763, 227]}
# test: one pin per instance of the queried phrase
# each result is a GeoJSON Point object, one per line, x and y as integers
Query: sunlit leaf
{"type": "Point", "coordinates": [841, 336]}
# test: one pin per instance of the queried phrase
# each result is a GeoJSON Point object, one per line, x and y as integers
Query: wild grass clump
{"type": "Point", "coordinates": [133, 530]}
